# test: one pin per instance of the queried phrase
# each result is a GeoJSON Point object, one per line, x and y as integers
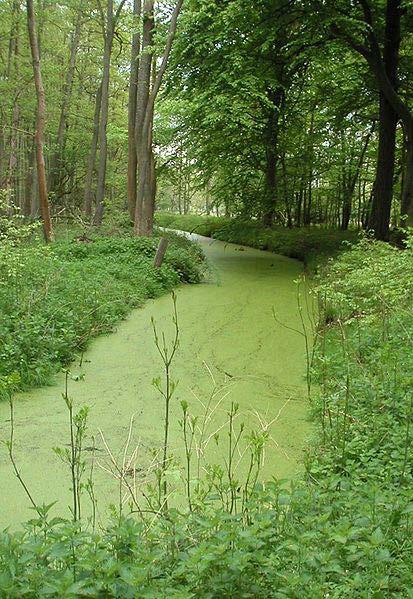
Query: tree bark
{"type": "Point", "coordinates": [132, 106]}
{"type": "Point", "coordinates": [350, 183]}
{"type": "Point", "coordinates": [104, 110]}
{"type": "Point", "coordinates": [111, 20]}
{"type": "Point", "coordinates": [407, 194]}
{"type": "Point", "coordinates": [13, 71]}
{"type": "Point", "coordinates": [271, 157]}
{"type": "Point", "coordinates": [88, 195]}
{"type": "Point", "coordinates": [146, 191]}
{"type": "Point", "coordinates": [143, 145]}
{"type": "Point", "coordinates": [57, 157]}
{"type": "Point", "coordinates": [40, 124]}
{"type": "Point", "coordinates": [160, 252]}
{"type": "Point", "coordinates": [379, 219]}
{"type": "Point", "coordinates": [28, 182]}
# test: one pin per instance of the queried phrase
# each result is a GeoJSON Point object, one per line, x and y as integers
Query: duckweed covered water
{"type": "Point", "coordinates": [227, 334]}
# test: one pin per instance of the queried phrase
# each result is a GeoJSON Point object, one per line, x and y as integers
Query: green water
{"type": "Point", "coordinates": [228, 333]}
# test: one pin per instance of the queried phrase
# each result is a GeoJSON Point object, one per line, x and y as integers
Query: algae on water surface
{"type": "Point", "coordinates": [227, 329]}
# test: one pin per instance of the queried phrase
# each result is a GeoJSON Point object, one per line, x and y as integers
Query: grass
{"type": "Point", "coordinates": [308, 244]}
{"type": "Point", "coordinates": [53, 300]}
{"type": "Point", "coordinates": [344, 531]}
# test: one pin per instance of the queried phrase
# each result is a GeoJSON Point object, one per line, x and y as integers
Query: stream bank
{"type": "Point", "coordinates": [227, 333]}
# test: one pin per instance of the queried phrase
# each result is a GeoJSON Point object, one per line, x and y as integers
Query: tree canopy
{"type": "Point", "coordinates": [295, 113]}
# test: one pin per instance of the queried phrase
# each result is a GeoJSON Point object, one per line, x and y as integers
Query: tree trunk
{"type": "Point", "coordinates": [104, 109]}
{"type": "Point", "coordinates": [350, 183]}
{"type": "Point", "coordinates": [379, 219]}
{"type": "Point", "coordinates": [13, 71]}
{"type": "Point", "coordinates": [57, 157]}
{"type": "Point", "coordinates": [271, 156]}
{"type": "Point", "coordinates": [145, 199]}
{"type": "Point", "coordinates": [132, 106]}
{"type": "Point", "coordinates": [88, 196]}
{"type": "Point", "coordinates": [40, 124]}
{"type": "Point", "coordinates": [28, 182]}
{"type": "Point", "coordinates": [142, 134]}
{"type": "Point", "coordinates": [407, 194]}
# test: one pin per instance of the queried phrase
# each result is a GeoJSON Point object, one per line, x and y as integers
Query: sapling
{"type": "Point", "coordinates": [188, 425]}
{"type": "Point", "coordinates": [310, 337]}
{"type": "Point", "coordinates": [10, 448]}
{"type": "Point", "coordinates": [73, 456]}
{"type": "Point", "coordinates": [167, 390]}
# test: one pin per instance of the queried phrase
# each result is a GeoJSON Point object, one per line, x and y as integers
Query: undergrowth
{"type": "Point", "coordinates": [308, 244]}
{"type": "Point", "coordinates": [54, 299]}
{"type": "Point", "coordinates": [344, 531]}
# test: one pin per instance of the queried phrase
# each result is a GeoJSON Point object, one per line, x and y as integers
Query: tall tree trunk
{"type": "Point", "coordinates": [57, 157]}
{"type": "Point", "coordinates": [104, 109]}
{"type": "Point", "coordinates": [350, 183]}
{"type": "Point", "coordinates": [142, 136]}
{"type": "Point", "coordinates": [132, 107]}
{"type": "Point", "coordinates": [385, 68]}
{"type": "Point", "coordinates": [13, 71]}
{"type": "Point", "coordinates": [379, 219]}
{"type": "Point", "coordinates": [88, 195]}
{"type": "Point", "coordinates": [40, 124]}
{"type": "Point", "coordinates": [308, 198]}
{"type": "Point", "coordinates": [271, 156]}
{"type": "Point", "coordinates": [146, 191]}
{"type": "Point", "coordinates": [407, 194]}
{"type": "Point", "coordinates": [28, 182]}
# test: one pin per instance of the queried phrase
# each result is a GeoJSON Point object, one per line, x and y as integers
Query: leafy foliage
{"type": "Point", "coordinates": [345, 530]}
{"type": "Point", "coordinates": [306, 244]}
{"type": "Point", "coordinates": [54, 299]}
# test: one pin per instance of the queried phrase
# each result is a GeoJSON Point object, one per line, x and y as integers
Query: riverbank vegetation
{"type": "Point", "coordinates": [54, 299]}
{"type": "Point", "coordinates": [281, 125]}
{"type": "Point", "coordinates": [343, 530]}
{"type": "Point", "coordinates": [308, 244]}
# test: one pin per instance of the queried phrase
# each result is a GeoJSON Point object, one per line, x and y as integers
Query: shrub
{"type": "Point", "coordinates": [307, 244]}
{"type": "Point", "coordinates": [54, 299]}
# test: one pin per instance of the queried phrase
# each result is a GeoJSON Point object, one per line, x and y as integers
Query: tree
{"type": "Point", "coordinates": [108, 26]}
{"type": "Point", "coordinates": [40, 123]}
{"type": "Point", "coordinates": [381, 52]}
{"type": "Point", "coordinates": [145, 197]}
{"type": "Point", "coordinates": [132, 107]}
{"type": "Point", "coordinates": [57, 159]}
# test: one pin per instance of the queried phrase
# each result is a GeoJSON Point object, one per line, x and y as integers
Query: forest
{"type": "Point", "coordinates": [206, 285]}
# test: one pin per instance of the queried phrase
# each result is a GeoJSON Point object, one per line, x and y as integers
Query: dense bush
{"type": "Point", "coordinates": [54, 299]}
{"type": "Point", "coordinates": [193, 223]}
{"type": "Point", "coordinates": [344, 531]}
{"type": "Point", "coordinates": [306, 244]}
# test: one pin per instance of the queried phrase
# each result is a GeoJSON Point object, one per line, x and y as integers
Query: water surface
{"type": "Point", "coordinates": [227, 334]}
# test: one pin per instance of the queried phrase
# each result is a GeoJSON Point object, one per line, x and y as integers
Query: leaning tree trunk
{"type": "Point", "coordinates": [40, 124]}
